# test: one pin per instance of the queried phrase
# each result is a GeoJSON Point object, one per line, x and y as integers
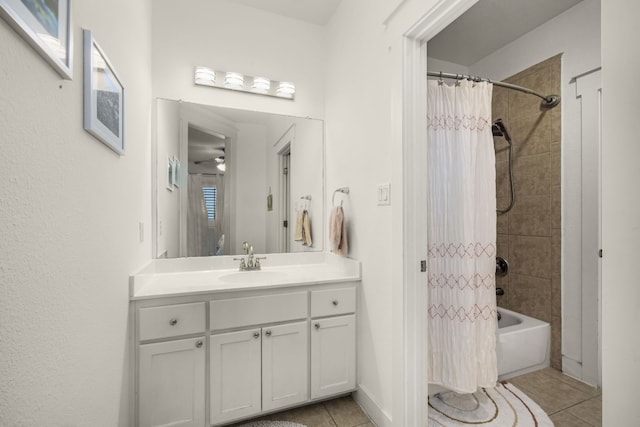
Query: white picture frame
{"type": "Point", "coordinates": [46, 25]}
{"type": "Point", "coordinates": [103, 97]}
{"type": "Point", "coordinates": [170, 173]}
{"type": "Point", "coordinates": [176, 172]}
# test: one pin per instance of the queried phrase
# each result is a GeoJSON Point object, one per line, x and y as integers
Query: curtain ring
{"type": "Point", "coordinates": [440, 81]}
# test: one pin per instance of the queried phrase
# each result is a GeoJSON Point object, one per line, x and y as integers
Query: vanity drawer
{"type": "Point", "coordinates": [172, 320]}
{"type": "Point", "coordinates": [329, 302]}
{"type": "Point", "coordinates": [248, 311]}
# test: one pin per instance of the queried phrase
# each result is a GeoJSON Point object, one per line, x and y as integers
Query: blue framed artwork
{"type": "Point", "coordinates": [103, 97]}
{"type": "Point", "coordinates": [46, 26]}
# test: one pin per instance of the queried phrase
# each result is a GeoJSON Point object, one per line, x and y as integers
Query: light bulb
{"type": "Point", "coordinates": [286, 90]}
{"type": "Point", "coordinates": [234, 80]}
{"type": "Point", "coordinates": [261, 85]}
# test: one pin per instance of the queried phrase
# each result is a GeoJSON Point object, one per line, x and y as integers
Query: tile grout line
{"type": "Point", "coordinates": [335, 423]}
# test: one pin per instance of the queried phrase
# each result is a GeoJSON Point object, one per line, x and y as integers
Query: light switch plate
{"type": "Point", "coordinates": [384, 194]}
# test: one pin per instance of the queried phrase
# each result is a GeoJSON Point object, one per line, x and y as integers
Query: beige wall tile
{"type": "Point", "coordinates": [502, 222]}
{"type": "Point", "coordinates": [556, 206]}
{"type": "Point", "coordinates": [531, 174]}
{"type": "Point", "coordinates": [531, 134]}
{"type": "Point", "coordinates": [556, 296]}
{"type": "Point", "coordinates": [556, 342]}
{"type": "Point", "coordinates": [500, 102]}
{"type": "Point", "coordinates": [531, 296]}
{"type": "Point", "coordinates": [531, 216]}
{"type": "Point", "coordinates": [530, 255]}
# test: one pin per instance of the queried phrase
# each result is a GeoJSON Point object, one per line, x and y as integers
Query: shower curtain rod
{"type": "Point", "coordinates": [547, 103]}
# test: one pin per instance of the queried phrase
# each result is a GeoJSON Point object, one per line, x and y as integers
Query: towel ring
{"type": "Point", "coordinates": [343, 190]}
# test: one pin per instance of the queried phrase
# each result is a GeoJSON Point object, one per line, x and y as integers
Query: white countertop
{"type": "Point", "coordinates": [190, 276]}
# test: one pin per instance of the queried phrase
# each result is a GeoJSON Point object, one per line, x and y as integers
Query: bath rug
{"type": "Point", "coordinates": [272, 424]}
{"type": "Point", "coordinates": [502, 406]}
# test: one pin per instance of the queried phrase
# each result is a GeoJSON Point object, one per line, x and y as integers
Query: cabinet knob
{"type": "Point", "coordinates": [317, 325]}
{"type": "Point", "coordinates": [199, 343]}
{"type": "Point", "coordinates": [256, 334]}
{"type": "Point", "coordinates": [334, 302]}
{"type": "Point", "coordinates": [173, 322]}
{"type": "Point", "coordinates": [268, 333]}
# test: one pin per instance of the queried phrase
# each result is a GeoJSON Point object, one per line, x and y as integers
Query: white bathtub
{"type": "Point", "coordinates": [523, 345]}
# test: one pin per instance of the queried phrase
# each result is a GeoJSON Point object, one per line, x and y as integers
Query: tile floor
{"type": "Point", "coordinates": [340, 412]}
{"type": "Point", "coordinates": [568, 402]}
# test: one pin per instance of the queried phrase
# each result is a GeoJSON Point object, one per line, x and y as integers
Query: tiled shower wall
{"type": "Point", "coordinates": [529, 236]}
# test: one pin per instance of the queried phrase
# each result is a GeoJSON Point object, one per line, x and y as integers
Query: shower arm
{"type": "Point", "coordinates": [548, 101]}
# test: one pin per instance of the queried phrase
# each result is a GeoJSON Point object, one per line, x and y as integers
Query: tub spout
{"type": "Point", "coordinates": [499, 291]}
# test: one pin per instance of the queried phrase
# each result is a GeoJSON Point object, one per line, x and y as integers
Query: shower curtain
{"type": "Point", "coordinates": [202, 234]}
{"type": "Point", "coordinates": [462, 236]}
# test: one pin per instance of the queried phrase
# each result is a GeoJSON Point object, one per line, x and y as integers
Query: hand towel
{"type": "Point", "coordinates": [306, 229]}
{"type": "Point", "coordinates": [338, 232]}
{"type": "Point", "coordinates": [299, 220]}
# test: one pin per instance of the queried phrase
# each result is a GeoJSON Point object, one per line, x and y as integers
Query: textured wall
{"type": "Point", "coordinates": [529, 236]}
{"type": "Point", "coordinates": [69, 214]}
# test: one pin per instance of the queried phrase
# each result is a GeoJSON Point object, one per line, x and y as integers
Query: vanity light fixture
{"type": "Point", "coordinates": [236, 81]}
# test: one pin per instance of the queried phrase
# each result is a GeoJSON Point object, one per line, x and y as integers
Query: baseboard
{"type": "Point", "coordinates": [379, 416]}
{"type": "Point", "coordinates": [571, 367]}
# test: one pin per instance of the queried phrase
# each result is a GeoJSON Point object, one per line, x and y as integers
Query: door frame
{"type": "Point", "coordinates": [415, 174]}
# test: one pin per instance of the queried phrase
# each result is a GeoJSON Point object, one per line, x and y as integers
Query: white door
{"type": "Point", "coordinates": [172, 383]}
{"type": "Point", "coordinates": [235, 375]}
{"type": "Point", "coordinates": [333, 355]}
{"type": "Point", "coordinates": [284, 365]}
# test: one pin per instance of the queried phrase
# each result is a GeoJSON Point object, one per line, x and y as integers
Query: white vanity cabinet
{"type": "Point", "coordinates": [171, 373]}
{"type": "Point", "coordinates": [333, 341]}
{"type": "Point", "coordinates": [214, 358]}
{"type": "Point", "coordinates": [256, 370]}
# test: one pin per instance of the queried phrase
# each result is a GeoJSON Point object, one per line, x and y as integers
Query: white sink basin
{"type": "Point", "coordinates": [259, 276]}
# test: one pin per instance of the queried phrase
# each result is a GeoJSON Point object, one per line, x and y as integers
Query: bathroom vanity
{"type": "Point", "coordinates": [216, 345]}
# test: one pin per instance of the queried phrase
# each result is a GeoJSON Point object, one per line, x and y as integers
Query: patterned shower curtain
{"type": "Point", "coordinates": [462, 236]}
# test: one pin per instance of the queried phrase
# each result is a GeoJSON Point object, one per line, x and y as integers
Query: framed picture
{"type": "Point", "coordinates": [176, 172]}
{"type": "Point", "coordinates": [46, 26]}
{"type": "Point", "coordinates": [103, 97]}
{"type": "Point", "coordinates": [170, 173]}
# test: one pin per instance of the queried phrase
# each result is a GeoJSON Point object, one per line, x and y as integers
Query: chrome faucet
{"type": "Point", "coordinates": [249, 262]}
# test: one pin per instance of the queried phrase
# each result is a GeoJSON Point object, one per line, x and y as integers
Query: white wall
{"type": "Point", "coordinates": [437, 65]}
{"type": "Point", "coordinates": [620, 214]}
{"type": "Point", "coordinates": [227, 36]}
{"type": "Point", "coordinates": [251, 198]}
{"type": "Point", "coordinates": [576, 35]}
{"type": "Point", "coordinates": [70, 209]}
{"type": "Point", "coordinates": [364, 123]}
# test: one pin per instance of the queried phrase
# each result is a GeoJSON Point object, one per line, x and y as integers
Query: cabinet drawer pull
{"type": "Point", "coordinates": [256, 334]}
{"type": "Point", "coordinates": [335, 302]}
{"type": "Point", "coordinates": [199, 343]}
{"type": "Point", "coordinates": [317, 325]}
{"type": "Point", "coordinates": [268, 333]}
{"type": "Point", "coordinates": [173, 322]}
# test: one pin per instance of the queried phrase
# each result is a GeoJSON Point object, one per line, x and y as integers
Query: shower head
{"type": "Point", "coordinates": [499, 129]}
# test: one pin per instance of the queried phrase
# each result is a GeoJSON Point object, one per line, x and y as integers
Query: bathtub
{"type": "Point", "coordinates": [523, 345]}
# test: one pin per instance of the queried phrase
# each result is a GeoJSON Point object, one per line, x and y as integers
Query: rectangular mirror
{"type": "Point", "coordinates": [235, 176]}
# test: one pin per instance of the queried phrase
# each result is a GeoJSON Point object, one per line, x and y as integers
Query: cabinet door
{"type": "Point", "coordinates": [172, 383]}
{"type": "Point", "coordinates": [333, 356]}
{"type": "Point", "coordinates": [285, 366]}
{"type": "Point", "coordinates": [235, 375]}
